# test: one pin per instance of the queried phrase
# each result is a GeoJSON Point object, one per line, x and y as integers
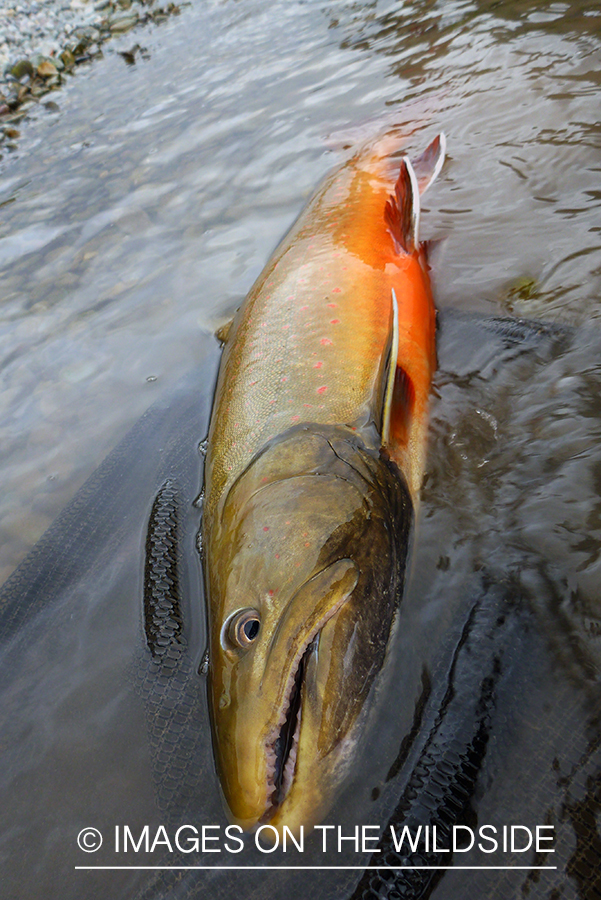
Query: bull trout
{"type": "Point", "coordinates": [314, 463]}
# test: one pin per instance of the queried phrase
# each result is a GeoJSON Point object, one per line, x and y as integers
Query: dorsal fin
{"type": "Point", "coordinates": [402, 210]}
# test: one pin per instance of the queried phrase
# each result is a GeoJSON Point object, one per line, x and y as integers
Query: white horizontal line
{"type": "Point", "coordinates": [307, 868]}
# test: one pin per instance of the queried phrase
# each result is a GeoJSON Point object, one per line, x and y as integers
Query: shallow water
{"type": "Point", "coordinates": [134, 219]}
{"type": "Point", "coordinates": [143, 210]}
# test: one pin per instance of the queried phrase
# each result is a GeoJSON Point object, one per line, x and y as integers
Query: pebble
{"type": "Point", "coordinates": [41, 41]}
{"type": "Point", "coordinates": [43, 26]}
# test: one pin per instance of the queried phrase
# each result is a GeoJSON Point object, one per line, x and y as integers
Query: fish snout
{"type": "Point", "coordinates": [257, 726]}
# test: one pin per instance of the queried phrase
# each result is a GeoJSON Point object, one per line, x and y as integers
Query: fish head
{"type": "Point", "coordinates": [305, 570]}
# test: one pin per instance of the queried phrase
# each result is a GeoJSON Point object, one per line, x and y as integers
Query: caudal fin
{"type": "Point", "coordinates": [402, 210]}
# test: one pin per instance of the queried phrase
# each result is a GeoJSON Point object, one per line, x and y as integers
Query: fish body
{"type": "Point", "coordinates": [314, 463]}
{"type": "Point", "coordinates": [311, 336]}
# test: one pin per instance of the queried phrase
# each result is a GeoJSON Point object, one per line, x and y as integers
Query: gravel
{"type": "Point", "coordinates": [42, 41]}
{"type": "Point", "coordinates": [43, 26]}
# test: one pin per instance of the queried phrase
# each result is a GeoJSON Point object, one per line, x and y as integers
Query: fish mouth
{"type": "Point", "coordinates": [261, 743]}
{"type": "Point", "coordinates": [281, 746]}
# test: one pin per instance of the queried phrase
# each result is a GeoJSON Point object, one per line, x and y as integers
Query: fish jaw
{"type": "Point", "coordinates": [256, 771]}
{"type": "Point", "coordinates": [322, 759]}
{"type": "Point", "coordinates": [285, 711]}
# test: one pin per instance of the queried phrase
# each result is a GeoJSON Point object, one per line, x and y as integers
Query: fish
{"type": "Point", "coordinates": [314, 462]}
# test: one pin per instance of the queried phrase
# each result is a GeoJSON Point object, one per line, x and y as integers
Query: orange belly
{"type": "Point", "coordinates": [308, 343]}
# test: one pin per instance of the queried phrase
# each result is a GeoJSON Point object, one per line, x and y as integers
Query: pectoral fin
{"type": "Point", "coordinates": [393, 353]}
{"type": "Point", "coordinates": [397, 393]}
{"type": "Point", "coordinates": [223, 332]}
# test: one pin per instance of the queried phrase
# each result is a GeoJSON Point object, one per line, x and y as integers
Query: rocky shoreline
{"type": "Point", "coordinates": [43, 41]}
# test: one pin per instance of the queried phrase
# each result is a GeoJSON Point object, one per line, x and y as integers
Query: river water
{"type": "Point", "coordinates": [135, 218]}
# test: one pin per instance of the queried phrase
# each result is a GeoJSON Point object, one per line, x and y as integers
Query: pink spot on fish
{"type": "Point", "coordinates": [317, 365]}
{"type": "Point", "coordinates": [332, 305]}
{"type": "Point", "coordinates": [325, 341]}
{"type": "Point", "coordinates": [303, 308]}
{"type": "Point", "coordinates": [285, 378]}
{"type": "Point", "coordinates": [296, 418]}
{"type": "Point", "coordinates": [334, 321]}
{"type": "Point", "coordinates": [265, 527]}
{"type": "Point", "coordinates": [322, 389]}
{"type": "Point", "coordinates": [336, 290]}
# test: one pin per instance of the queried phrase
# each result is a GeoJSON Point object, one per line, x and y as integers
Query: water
{"type": "Point", "coordinates": [135, 219]}
{"type": "Point", "coordinates": [142, 211]}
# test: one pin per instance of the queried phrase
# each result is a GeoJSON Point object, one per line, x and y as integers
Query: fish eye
{"type": "Point", "coordinates": [243, 628]}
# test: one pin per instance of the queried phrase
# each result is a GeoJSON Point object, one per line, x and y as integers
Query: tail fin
{"type": "Point", "coordinates": [403, 209]}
